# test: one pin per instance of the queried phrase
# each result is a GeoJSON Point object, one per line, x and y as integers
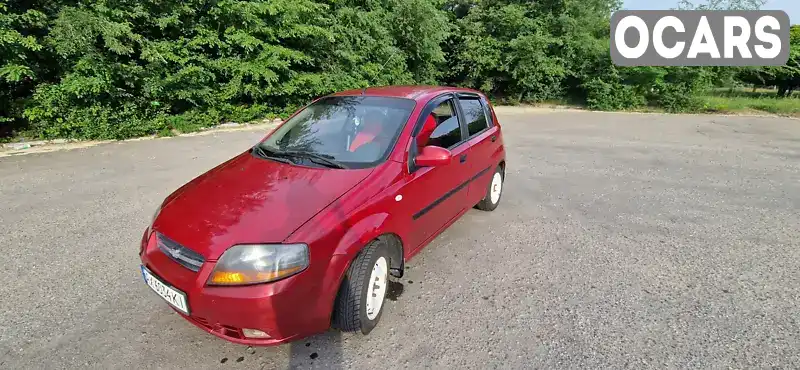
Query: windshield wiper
{"type": "Point", "coordinates": [322, 159]}
{"type": "Point", "coordinates": [266, 153]}
{"type": "Point", "coordinates": [281, 156]}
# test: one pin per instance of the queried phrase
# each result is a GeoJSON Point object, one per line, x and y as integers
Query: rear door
{"type": "Point", "coordinates": [483, 141]}
{"type": "Point", "coordinates": [435, 195]}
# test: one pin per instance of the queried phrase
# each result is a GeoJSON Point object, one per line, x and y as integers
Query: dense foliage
{"type": "Point", "coordinates": [122, 68]}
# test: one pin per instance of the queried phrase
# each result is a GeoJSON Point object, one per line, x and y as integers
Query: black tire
{"type": "Point", "coordinates": [486, 203]}
{"type": "Point", "coordinates": [350, 309]}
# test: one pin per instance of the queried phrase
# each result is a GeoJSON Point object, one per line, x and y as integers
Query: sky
{"type": "Point", "coordinates": [791, 7]}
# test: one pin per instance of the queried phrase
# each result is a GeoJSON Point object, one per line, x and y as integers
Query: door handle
{"type": "Point", "coordinates": [494, 138]}
{"type": "Point", "coordinates": [463, 158]}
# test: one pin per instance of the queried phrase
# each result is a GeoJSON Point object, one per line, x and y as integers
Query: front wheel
{"type": "Point", "coordinates": [493, 193]}
{"type": "Point", "coordinates": [359, 304]}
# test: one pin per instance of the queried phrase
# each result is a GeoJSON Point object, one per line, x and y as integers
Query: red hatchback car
{"type": "Point", "coordinates": [303, 230]}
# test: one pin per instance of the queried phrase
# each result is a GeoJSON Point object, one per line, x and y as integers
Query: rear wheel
{"type": "Point", "coordinates": [493, 193]}
{"type": "Point", "coordinates": [359, 304]}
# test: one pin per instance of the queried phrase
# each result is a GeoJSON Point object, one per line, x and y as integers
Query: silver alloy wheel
{"type": "Point", "coordinates": [497, 187]}
{"type": "Point", "coordinates": [376, 291]}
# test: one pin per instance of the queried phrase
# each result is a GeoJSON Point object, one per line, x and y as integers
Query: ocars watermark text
{"type": "Point", "coordinates": [699, 38]}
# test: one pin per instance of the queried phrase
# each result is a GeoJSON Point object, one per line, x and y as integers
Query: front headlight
{"type": "Point", "coordinates": [259, 263]}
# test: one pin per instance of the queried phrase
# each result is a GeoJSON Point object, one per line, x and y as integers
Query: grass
{"type": "Point", "coordinates": [749, 101]}
{"type": "Point", "coordinates": [722, 100]}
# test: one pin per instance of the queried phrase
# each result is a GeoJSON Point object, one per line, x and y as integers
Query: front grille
{"type": "Point", "coordinates": [180, 254]}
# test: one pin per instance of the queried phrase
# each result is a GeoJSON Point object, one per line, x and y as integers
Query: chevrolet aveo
{"type": "Point", "coordinates": [302, 231]}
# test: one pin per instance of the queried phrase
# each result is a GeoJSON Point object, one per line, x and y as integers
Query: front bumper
{"type": "Point", "coordinates": [234, 334]}
{"type": "Point", "coordinates": [286, 310]}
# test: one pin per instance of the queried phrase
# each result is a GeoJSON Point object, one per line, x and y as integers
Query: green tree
{"type": "Point", "coordinates": [786, 77]}
{"type": "Point", "coordinates": [138, 67]}
{"type": "Point", "coordinates": [21, 54]}
{"type": "Point", "coordinates": [121, 68]}
{"type": "Point", "coordinates": [528, 51]}
{"type": "Point", "coordinates": [722, 5]}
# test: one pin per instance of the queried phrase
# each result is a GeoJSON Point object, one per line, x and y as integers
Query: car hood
{"type": "Point", "coordinates": [249, 200]}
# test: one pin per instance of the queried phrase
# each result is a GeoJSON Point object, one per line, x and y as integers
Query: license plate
{"type": "Point", "coordinates": [173, 296]}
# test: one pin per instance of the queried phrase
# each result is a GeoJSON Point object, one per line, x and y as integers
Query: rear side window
{"type": "Point", "coordinates": [474, 114]}
{"type": "Point", "coordinates": [447, 132]}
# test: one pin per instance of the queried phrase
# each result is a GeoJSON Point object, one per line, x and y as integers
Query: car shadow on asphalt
{"type": "Point", "coordinates": [326, 350]}
{"type": "Point", "coordinates": [323, 351]}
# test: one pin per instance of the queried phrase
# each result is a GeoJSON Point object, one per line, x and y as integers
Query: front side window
{"type": "Point", "coordinates": [441, 128]}
{"type": "Point", "coordinates": [353, 131]}
{"type": "Point", "coordinates": [474, 114]}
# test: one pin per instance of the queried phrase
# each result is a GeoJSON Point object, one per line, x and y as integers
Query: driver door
{"type": "Point", "coordinates": [435, 195]}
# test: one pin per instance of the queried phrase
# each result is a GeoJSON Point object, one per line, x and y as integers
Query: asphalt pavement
{"type": "Point", "coordinates": [621, 241]}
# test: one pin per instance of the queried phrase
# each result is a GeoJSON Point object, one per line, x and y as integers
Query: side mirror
{"type": "Point", "coordinates": [432, 156]}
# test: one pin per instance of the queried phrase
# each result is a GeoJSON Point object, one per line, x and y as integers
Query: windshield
{"type": "Point", "coordinates": [354, 131]}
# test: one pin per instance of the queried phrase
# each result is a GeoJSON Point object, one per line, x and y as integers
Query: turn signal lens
{"type": "Point", "coordinates": [223, 277]}
{"type": "Point", "coordinates": [228, 278]}
{"type": "Point", "coordinates": [259, 263]}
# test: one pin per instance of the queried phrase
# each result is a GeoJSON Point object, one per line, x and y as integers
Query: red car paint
{"type": "Point", "coordinates": [335, 212]}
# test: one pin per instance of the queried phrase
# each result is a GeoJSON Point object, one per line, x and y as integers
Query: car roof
{"type": "Point", "coordinates": [419, 93]}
